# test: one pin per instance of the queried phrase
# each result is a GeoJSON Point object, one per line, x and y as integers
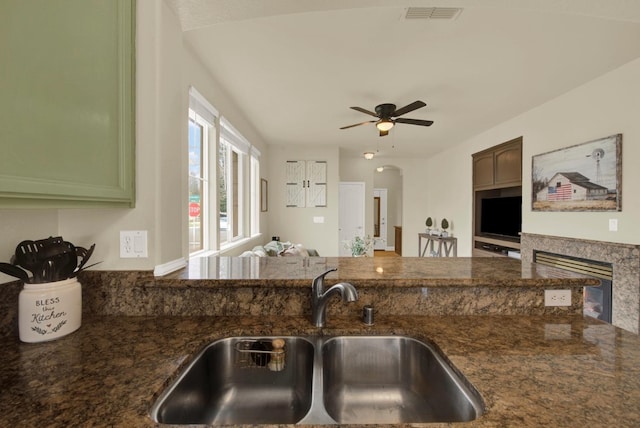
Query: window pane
{"type": "Point", "coordinates": [235, 192]}
{"type": "Point", "coordinates": [196, 180]}
{"type": "Point", "coordinates": [223, 188]}
{"type": "Point", "coordinates": [255, 195]}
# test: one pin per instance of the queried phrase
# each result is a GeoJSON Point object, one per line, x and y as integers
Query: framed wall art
{"type": "Point", "coordinates": [584, 177]}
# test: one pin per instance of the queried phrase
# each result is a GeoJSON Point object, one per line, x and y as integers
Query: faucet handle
{"type": "Point", "coordinates": [320, 278]}
{"type": "Point", "coordinates": [317, 285]}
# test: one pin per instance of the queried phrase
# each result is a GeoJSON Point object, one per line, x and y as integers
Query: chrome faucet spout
{"type": "Point", "coordinates": [320, 298]}
{"type": "Point", "coordinates": [346, 290]}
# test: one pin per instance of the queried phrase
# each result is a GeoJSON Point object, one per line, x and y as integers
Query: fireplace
{"type": "Point", "coordinates": [597, 300]}
{"type": "Point", "coordinates": [625, 269]}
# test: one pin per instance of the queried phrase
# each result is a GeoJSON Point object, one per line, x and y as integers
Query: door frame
{"type": "Point", "coordinates": [381, 244]}
{"type": "Point", "coordinates": [342, 251]}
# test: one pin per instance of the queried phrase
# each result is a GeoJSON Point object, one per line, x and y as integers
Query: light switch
{"type": "Point", "coordinates": [139, 244]}
{"type": "Point", "coordinates": [319, 219]}
{"type": "Point", "coordinates": [613, 225]}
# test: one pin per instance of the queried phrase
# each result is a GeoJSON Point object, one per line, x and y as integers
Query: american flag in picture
{"type": "Point", "coordinates": [560, 193]}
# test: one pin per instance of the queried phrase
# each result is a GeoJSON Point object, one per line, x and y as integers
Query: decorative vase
{"type": "Point", "coordinates": [49, 310]}
{"type": "Point", "coordinates": [359, 255]}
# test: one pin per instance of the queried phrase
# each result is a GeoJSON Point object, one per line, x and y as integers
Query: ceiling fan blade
{"type": "Point", "coordinates": [408, 108]}
{"type": "Point", "coordinates": [358, 124]}
{"type": "Point", "coordinates": [361, 110]}
{"type": "Point", "coordinates": [415, 122]}
{"type": "Point", "coordinates": [383, 133]}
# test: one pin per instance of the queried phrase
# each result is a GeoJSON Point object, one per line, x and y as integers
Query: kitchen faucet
{"type": "Point", "coordinates": [319, 297]}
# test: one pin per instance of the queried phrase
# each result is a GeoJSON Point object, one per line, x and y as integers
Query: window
{"type": "Point", "coordinates": [255, 191]}
{"type": "Point", "coordinates": [197, 182]}
{"type": "Point", "coordinates": [201, 134]}
{"type": "Point", "coordinates": [227, 192]}
{"type": "Point", "coordinates": [224, 180]}
{"type": "Point", "coordinates": [232, 155]}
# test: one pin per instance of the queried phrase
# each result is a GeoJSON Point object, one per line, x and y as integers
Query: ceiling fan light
{"type": "Point", "coordinates": [384, 124]}
{"type": "Point", "coordinates": [368, 155]}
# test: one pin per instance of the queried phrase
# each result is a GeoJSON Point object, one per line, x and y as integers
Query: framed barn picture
{"type": "Point", "coordinates": [584, 177]}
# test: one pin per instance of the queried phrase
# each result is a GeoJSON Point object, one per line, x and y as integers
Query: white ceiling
{"type": "Point", "coordinates": [294, 67]}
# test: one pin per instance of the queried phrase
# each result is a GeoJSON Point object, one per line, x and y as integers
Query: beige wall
{"type": "Point", "coordinates": [164, 70]}
{"type": "Point", "coordinates": [441, 186]}
{"type": "Point", "coordinates": [196, 75]}
{"type": "Point", "coordinates": [415, 194]}
{"type": "Point", "coordinates": [437, 187]}
{"type": "Point", "coordinates": [605, 106]}
{"type": "Point", "coordinates": [296, 224]}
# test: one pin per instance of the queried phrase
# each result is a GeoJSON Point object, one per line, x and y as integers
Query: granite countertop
{"type": "Point", "coordinates": [531, 371]}
{"type": "Point", "coordinates": [396, 272]}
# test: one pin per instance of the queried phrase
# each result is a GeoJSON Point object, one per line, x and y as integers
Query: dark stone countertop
{"type": "Point", "coordinates": [373, 272]}
{"type": "Point", "coordinates": [532, 371]}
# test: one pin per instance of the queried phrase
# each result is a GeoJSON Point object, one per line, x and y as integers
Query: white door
{"type": "Point", "coordinates": [351, 213]}
{"type": "Point", "coordinates": [380, 243]}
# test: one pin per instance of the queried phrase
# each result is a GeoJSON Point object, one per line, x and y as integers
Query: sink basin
{"type": "Point", "coordinates": [323, 380]}
{"type": "Point", "coordinates": [226, 386]}
{"type": "Point", "coordinates": [390, 380]}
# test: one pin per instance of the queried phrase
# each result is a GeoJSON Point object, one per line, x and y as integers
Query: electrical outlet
{"type": "Point", "coordinates": [557, 297]}
{"type": "Point", "coordinates": [133, 244]}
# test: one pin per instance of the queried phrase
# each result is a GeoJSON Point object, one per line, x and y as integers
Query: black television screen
{"type": "Point", "coordinates": [501, 216]}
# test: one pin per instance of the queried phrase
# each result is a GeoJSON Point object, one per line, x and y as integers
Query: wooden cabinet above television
{"type": "Point", "coordinates": [499, 166]}
{"type": "Point", "coordinates": [497, 175]}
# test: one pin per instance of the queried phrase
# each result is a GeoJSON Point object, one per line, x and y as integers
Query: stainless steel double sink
{"type": "Point", "coordinates": [320, 380]}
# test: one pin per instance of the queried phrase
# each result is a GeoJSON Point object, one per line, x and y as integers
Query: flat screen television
{"type": "Point", "coordinates": [501, 216]}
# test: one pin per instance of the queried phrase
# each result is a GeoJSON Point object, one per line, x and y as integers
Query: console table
{"type": "Point", "coordinates": [447, 246]}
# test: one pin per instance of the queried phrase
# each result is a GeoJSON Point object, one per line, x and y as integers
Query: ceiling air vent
{"type": "Point", "coordinates": [432, 13]}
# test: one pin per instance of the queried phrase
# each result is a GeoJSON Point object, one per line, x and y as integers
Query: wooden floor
{"type": "Point", "coordinates": [382, 253]}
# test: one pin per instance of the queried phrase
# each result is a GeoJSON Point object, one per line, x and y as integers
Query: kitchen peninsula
{"type": "Point", "coordinates": [533, 367]}
{"type": "Point", "coordinates": [282, 286]}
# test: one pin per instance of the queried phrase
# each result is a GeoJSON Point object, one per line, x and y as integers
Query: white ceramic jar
{"type": "Point", "coordinates": [49, 310]}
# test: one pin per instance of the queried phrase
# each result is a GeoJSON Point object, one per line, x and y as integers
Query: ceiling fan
{"type": "Point", "coordinates": [388, 116]}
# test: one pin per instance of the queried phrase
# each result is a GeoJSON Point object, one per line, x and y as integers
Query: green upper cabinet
{"type": "Point", "coordinates": [67, 103]}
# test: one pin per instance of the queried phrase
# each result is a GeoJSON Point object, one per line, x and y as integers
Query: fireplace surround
{"type": "Point", "coordinates": [624, 259]}
{"type": "Point", "coordinates": [596, 300]}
